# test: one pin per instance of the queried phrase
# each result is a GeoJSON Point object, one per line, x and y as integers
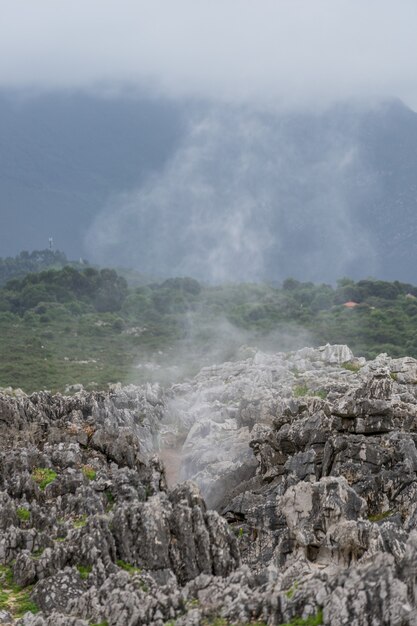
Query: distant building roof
{"type": "Point", "coordinates": [350, 304]}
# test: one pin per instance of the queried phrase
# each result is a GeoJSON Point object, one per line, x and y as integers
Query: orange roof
{"type": "Point", "coordinates": [350, 304]}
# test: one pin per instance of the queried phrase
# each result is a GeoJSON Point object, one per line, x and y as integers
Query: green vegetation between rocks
{"type": "Point", "coordinates": [23, 514]}
{"type": "Point", "coordinates": [131, 569]}
{"type": "Point", "coordinates": [84, 571]}
{"type": "Point", "coordinates": [379, 517]}
{"type": "Point", "coordinates": [314, 620]}
{"type": "Point", "coordinates": [80, 521]}
{"type": "Point", "coordinates": [89, 472]}
{"type": "Point", "coordinates": [13, 598]}
{"type": "Point", "coordinates": [300, 391]}
{"type": "Point", "coordinates": [221, 621]}
{"type": "Point", "coordinates": [43, 476]}
{"type": "Point", "coordinates": [291, 591]}
{"type": "Point", "coordinates": [319, 393]}
{"type": "Point", "coordinates": [38, 553]}
{"type": "Point", "coordinates": [352, 367]}
{"type": "Point", "coordinates": [74, 325]}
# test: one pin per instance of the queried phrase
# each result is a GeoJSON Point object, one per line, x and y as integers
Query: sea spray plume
{"type": "Point", "coordinates": [197, 218]}
{"type": "Point", "coordinates": [212, 339]}
{"type": "Point", "coordinates": [249, 195]}
{"type": "Point", "coordinates": [210, 419]}
{"type": "Point", "coordinates": [194, 412]}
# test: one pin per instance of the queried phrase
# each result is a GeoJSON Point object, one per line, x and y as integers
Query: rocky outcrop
{"type": "Point", "coordinates": [84, 505]}
{"type": "Point", "coordinates": [309, 457]}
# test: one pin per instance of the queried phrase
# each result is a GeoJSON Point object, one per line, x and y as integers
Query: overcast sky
{"type": "Point", "coordinates": [284, 51]}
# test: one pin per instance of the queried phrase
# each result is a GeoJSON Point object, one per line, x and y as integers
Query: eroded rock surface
{"type": "Point", "coordinates": [309, 457]}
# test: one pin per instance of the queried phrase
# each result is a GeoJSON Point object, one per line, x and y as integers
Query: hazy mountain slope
{"type": "Point", "coordinates": [389, 147]}
{"type": "Point", "coordinates": [62, 156]}
{"type": "Point", "coordinates": [216, 192]}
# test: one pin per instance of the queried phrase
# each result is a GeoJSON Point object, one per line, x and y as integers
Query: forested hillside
{"type": "Point", "coordinates": [61, 327]}
{"type": "Point", "coordinates": [36, 261]}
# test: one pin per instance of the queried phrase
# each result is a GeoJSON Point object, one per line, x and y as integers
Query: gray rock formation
{"type": "Point", "coordinates": [309, 457]}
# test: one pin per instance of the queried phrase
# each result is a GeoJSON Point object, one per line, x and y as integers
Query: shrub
{"type": "Point", "coordinates": [23, 514]}
{"type": "Point", "coordinates": [84, 571]}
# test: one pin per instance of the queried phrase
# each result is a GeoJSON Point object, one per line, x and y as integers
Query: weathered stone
{"type": "Point", "coordinates": [314, 467]}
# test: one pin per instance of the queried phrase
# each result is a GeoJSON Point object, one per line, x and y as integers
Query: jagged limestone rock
{"type": "Point", "coordinates": [311, 462]}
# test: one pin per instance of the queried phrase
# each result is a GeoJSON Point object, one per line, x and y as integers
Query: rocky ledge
{"type": "Point", "coordinates": [308, 460]}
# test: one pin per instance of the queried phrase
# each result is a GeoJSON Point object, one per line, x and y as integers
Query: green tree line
{"type": "Point", "coordinates": [87, 325]}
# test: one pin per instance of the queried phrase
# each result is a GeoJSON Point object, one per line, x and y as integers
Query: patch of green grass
{"type": "Point", "coordinates": [143, 586]}
{"type": "Point", "coordinates": [394, 376]}
{"type": "Point", "coordinates": [300, 391]}
{"type": "Point", "coordinates": [380, 516]}
{"type": "Point", "coordinates": [43, 476]}
{"type": "Point", "coordinates": [320, 393]}
{"type": "Point", "coordinates": [109, 496]}
{"type": "Point", "coordinates": [24, 604]}
{"type": "Point", "coordinates": [89, 472]}
{"type": "Point", "coordinates": [23, 514]}
{"type": "Point", "coordinates": [221, 621]}
{"type": "Point", "coordinates": [37, 553]}
{"type": "Point", "coordinates": [100, 624]}
{"type": "Point", "coordinates": [239, 532]}
{"type": "Point", "coordinates": [81, 521]}
{"type": "Point", "coordinates": [13, 598]}
{"type": "Point", "coordinates": [128, 567]}
{"type": "Point", "coordinates": [4, 599]}
{"type": "Point", "coordinates": [289, 594]}
{"type": "Point", "coordinates": [313, 620]}
{"type": "Point", "coordinates": [193, 603]}
{"type": "Point", "coordinates": [6, 575]}
{"type": "Point", "coordinates": [84, 571]}
{"type": "Point", "coordinates": [352, 367]}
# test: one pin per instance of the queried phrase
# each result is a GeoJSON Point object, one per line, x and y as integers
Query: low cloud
{"type": "Point", "coordinates": [281, 52]}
